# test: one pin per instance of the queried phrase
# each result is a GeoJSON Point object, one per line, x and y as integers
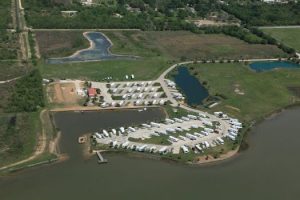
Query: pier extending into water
{"type": "Point", "coordinates": [101, 159]}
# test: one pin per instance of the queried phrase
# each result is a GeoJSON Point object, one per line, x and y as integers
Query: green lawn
{"type": "Point", "coordinates": [263, 92]}
{"type": "Point", "coordinates": [143, 69]}
{"type": "Point", "coordinates": [288, 36]}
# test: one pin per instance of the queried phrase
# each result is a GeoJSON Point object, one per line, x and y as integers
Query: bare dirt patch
{"type": "Point", "coordinates": [233, 108]}
{"type": "Point", "coordinates": [238, 90]}
{"type": "Point", "coordinates": [63, 93]}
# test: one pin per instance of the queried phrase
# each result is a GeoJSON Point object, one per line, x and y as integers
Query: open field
{"type": "Point", "coordinates": [288, 36]}
{"type": "Point", "coordinates": [60, 44]}
{"type": "Point", "coordinates": [249, 95]}
{"type": "Point", "coordinates": [157, 50]}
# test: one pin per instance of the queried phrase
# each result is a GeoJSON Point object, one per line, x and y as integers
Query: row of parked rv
{"type": "Point", "coordinates": [175, 93]}
{"type": "Point", "coordinates": [122, 103]}
{"type": "Point", "coordinates": [168, 121]}
{"type": "Point", "coordinates": [235, 125]}
{"type": "Point", "coordinates": [154, 95]}
{"type": "Point", "coordinates": [139, 148]}
{"type": "Point", "coordinates": [133, 90]}
{"type": "Point", "coordinates": [202, 145]}
{"type": "Point", "coordinates": [131, 84]}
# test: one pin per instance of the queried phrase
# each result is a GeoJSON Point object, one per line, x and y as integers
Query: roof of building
{"type": "Point", "coordinates": [92, 92]}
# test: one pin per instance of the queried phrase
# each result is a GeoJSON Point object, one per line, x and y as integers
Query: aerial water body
{"type": "Point", "coordinates": [266, 66]}
{"type": "Point", "coordinates": [193, 90]}
{"type": "Point", "coordinates": [99, 50]}
{"type": "Point", "coordinates": [269, 169]}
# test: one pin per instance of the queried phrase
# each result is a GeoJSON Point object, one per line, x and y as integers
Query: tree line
{"type": "Point", "coordinates": [262, 14]}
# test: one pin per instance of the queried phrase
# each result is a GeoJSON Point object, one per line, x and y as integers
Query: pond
{"type": "Point", "coordinates": [269, 169]}
{"type": "Point", "coordinates": [193, 90]}
{"type": "Point", "coordinates": [266, 66]}
{"type": "Point", "coordinates": [99, 50]}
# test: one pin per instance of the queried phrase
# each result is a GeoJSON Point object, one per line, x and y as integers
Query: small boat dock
{"type": "Point", "coordinates": [82, 139]}
{"type": "Point", "coordinates": [101, 159]}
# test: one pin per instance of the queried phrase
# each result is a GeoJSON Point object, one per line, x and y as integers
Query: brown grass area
{"type": "Point", "coordinates": [60, 43]}
{"type": "Point", "coordinates": [179, 44]}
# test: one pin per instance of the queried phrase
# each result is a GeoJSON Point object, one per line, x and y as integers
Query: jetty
{"type": "Point", "coordinates": [101, 159]}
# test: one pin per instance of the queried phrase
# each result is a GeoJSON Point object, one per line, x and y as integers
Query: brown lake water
{"type": "Point", "coordinates": [269, 169]}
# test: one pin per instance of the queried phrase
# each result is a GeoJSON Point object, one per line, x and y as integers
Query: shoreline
{"type": "Point", "coordinates": [230, 155]}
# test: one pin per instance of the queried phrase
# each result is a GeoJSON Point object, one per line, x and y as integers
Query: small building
{"type": "Point", "coordinates": [92, 92]}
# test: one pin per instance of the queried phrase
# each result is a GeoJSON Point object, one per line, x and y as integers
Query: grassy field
{"type": "Point", "coordinates": [60, 44]}
{"type": "Point", "coordinates": [288, 36]}
{"type": "Point", "coordinates": [157, 50]}
{"type": "Point", "coordinates": [249, 95]}
{"type": "Point", "coordinates": [145, 69]}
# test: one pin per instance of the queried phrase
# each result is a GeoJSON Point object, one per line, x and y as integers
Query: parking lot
{"type": "Point", "coordinates": [119, 94]}
{"type": "Point", "coordinates": [185, 133]}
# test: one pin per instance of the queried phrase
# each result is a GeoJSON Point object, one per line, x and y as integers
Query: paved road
{"type": "Point", "coordinates": [10, 80]}
{"type": "Point", "coordinates": [278, 27]}
{"type": "Point", "coordinates": [82, 29]}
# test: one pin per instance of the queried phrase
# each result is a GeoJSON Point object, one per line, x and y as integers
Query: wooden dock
{"type": "Point", "coordinates": [100, 157]}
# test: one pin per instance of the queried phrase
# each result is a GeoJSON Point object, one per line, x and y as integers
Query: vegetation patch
{"type": "Point", "coordinates": [8, 45]}
{"type": "Point", "coordinates": [5, 19]}
{"type": "Point", "coordinates": [257, 13]}
{"type": "Point", "coordinates": [27, 94]}
{"type": "Point", "coordinates": [17, 136]}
